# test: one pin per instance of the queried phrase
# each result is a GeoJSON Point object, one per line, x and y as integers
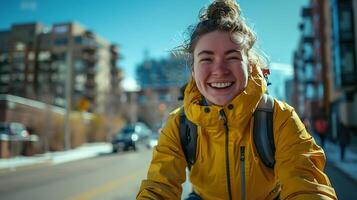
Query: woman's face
{"type": "Point", "coordinates": [220, 67]}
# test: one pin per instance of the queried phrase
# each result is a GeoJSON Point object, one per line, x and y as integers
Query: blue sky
{"type": "Point", "coordinates": [158, 25]}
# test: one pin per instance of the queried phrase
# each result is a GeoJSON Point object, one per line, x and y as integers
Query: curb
{"type": "Point", "coordinates": [26, 167]}
{"type": "Point", "coordinates": [83, 152]}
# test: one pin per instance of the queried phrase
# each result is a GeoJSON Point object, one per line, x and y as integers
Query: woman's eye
{"type": "Point", "coordinates": [206, 60]}
{"type": "Point", "coordinates": [234, 58]}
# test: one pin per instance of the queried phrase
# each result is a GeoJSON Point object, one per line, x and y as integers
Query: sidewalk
{"type": "Point", "coordinates": [85, 151]}
{"type": "Point", "coordinates": [349, 166]}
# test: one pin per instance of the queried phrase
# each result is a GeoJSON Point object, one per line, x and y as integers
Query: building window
{"type": "Point", "coordinates": [18, 77]}
{"type": "Point", "coordinates": [5, 78]}
{"type": "Point", "coordinates": [347, 61]}
{"type": "Point", "coordinates": [79, 87]}
{"type": "Point", "coordinates": [320, 91]}
{"type": "Point", "coordinates": [19, 46]}
{"type": "Point", "coordinates": [30, 68]}
{"type": "Point", "coordinates": [18, 57]}
{"type": "Point", "coordinates": [79, 82]}
{"type": "Point", "coordinates": [60, 41]}
{"type": "Point", "coordinates": [309, 72]}
{"type": "Point", "coordinates": [61, 29]}
{"type": "Point", "coordinates": [44, 56]}
{"type": "Point", "coordinates": [307, 27]}
{"type": "Point", "coordinates": [29, 77]}
{"type": "Point", "coordinates": [345, 21]}
{"type": "Point", "coordinates": [78, 39]}
{"type": "Point", "coordinates": [42, 78]}
{"type": "Point", "coordinates": [59, 90]}
{"type": "Point", "coordinates": [19, 67]}
{"type": "Point", "coordinates": [78, 65]}
{"type": "Point", "coordinates": [348, 75]}
{"type": "Point", "coordinates": [54, 77]}
{"type": "Point", "coordinates": [310, 91]}
{"type": "Point", "coordinates": [31, 56]}
{"type": "Point", "coordinates": [3, 57]}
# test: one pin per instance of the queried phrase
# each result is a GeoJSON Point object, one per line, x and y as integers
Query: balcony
{"type": "Point", "coordinates": [89, 48]}
{"type": "Point", "coordinates": [309, 60]}
{"type": "Point", "coordinates": [307, 39]}
{"type": "Point", "coordinates": [310, 81]}
{"type": "Point", "coordinates": [89, 58]}
{"type": "Point", "coordinates": [306, 12]}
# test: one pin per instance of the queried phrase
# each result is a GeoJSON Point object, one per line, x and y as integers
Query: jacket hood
{"type": "Point", "coordinates": [238, 111]}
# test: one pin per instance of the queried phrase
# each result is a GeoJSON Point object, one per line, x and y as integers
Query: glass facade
{"type": "Point", "coordinates": [343, 43]}
{"type": "Point", "coordinates": [165, 73]}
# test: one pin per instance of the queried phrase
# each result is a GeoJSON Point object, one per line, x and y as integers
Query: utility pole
{"type": "Point", "coordinates": [67, 125]}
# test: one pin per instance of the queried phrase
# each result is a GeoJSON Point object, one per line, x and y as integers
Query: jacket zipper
{"type": "Point", "coordinates": [223, 116]}
{"type": "Point", "coordinates": [242, 158]}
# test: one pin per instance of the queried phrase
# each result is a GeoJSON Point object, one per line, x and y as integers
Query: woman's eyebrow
{"type": "Point", "coordinates": [233, 51]}
{"type": "Point", "coordinates": [205, 52]}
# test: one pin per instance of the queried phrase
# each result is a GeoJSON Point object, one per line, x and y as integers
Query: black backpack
{"type": "Point", "coordinates": [262, 133]}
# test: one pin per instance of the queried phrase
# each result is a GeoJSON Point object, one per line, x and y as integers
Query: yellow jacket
{"type": "Point", "coordinates": [298, 171]}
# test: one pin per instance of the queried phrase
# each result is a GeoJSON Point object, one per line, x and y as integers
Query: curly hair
{"type": "Point", "coordinates": [224, 15]}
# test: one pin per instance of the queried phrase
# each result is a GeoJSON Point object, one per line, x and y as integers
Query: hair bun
{"type": "Point", "coordinates": [222, 9]}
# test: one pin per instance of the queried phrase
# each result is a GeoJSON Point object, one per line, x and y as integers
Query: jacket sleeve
{"type": "Point", "coordinates": [167, 170]}
{"type": "Point", "coordinates": [299, 161]}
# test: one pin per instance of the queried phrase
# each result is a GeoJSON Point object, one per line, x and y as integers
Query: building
{"type": "Point", "coordinates": [160, 82]}
{"type": "Point", "coordinates": [43, 69]}
{"type": "Point", "coordinates": [311, 62]}
{"type": "Point", "coordinates": [344, 52]}
{"type": "Point", "coordinates": [325, 71]}
{"type": "Point", "coordinates": [34, 60]}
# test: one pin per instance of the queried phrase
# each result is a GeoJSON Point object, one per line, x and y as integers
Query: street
{"type": "Point", "coordinates": [112, 177]}
{"type": "Point", "coordinates": [345, 187]}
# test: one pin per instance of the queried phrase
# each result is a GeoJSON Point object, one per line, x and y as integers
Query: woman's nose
{"type": "Point", "coordinates": [220, 68]}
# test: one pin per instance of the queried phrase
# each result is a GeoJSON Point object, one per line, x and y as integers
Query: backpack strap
{"type": "Point", "coordinates": [263, 134]}
{"type": "Point", "coordinates": [188, 136]}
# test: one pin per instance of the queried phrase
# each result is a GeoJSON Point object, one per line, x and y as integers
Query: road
{"type": "Point", "coordinates": [115, 177]}
{"type": "Point", "coordinates": [344, 186]}
{"type": "Point", "coordinates": [108, 177]}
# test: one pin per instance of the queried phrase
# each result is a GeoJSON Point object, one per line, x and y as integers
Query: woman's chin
{"type": "Point", "coordinates": [220, 101]}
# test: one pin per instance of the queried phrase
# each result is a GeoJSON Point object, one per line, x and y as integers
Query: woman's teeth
{"type": "Point", "coordinates": [220, 85]}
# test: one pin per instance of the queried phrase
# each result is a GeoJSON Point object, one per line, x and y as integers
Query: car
{"type": "Point", "coordinates": [130, 136]}
{"type": "Point", "coordinates": [15, 131]}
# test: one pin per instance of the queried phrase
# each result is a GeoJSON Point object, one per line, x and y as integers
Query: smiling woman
{"type": "Point", "coordinates": [226, 91]}
{"type": "Point", "coordinates": [220, 67]}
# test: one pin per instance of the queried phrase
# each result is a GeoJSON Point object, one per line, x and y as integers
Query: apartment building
{"type": "Point", "coordinates": [160, 81]}
{"type": "Point", "coordinates": [325, 70]}
{"type": "Point", "coordinates": [34, 62]}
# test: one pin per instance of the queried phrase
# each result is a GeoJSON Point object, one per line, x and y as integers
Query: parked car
{"type": "Point", "coordinates": [15, 131]}
{"type": "Point", "coordinates": [128, 137]}
{"type": "Point", "coordinates": [17, 139]}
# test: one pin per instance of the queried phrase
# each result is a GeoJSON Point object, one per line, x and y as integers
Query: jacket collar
{"type": "Point", "coordinates": [238, 111]}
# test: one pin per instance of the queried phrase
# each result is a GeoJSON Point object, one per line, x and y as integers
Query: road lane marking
{"type": "Point", "coordinates": [90, 194]}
